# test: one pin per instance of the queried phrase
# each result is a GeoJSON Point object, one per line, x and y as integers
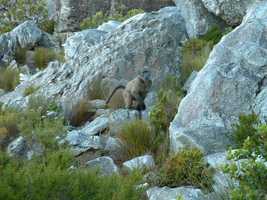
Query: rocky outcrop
{"type": "Point", "coordinates": [231, 11]}
{"type": "Point", "coordinates": [232, 82]}
{"type": "Point", "coordinates": [197, 18]}
{"type": "Point", "coordinates": [151, 39]}
{"type": "Point", "coordinates": [26, 35]}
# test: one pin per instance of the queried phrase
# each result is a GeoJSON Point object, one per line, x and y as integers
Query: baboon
{"type": "Point", "coordinates": [134, 93]}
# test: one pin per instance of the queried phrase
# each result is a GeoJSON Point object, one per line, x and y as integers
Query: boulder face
{"type": "Point", "coordinates": [197, 18]}
{"type": "Point", "coordinates": [150, 39]}
{"type": "Point", "coordinates": [231, 11]}
{"type": "Point", "coordinates": [232, 82]}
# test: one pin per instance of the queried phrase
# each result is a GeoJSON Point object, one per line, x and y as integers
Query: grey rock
{"type": "Point", "coordinates": [109, 26]}
{"type": "Point", "coordinates": [21, 148]}
{"type": "Point", "coordinates": [231, 11]}
{"type": "Point", "coordinates": [166, 193]}
{"type": "Point", "coordinates": [112, 144]}
{"type": "Point", "coordinates": [189, 81]}
{"type": "Point", "coordinates": [150, 39]}
{"type": "Point", "coordinates": [216, 160]}
{"type": "Point", "coordinates": [141, 162]}
{"type": "Point", "coordinates": [80, 42]}
{"type": "Point", "coordinates": [97, 126]}
{"type": "Point", "coordinates": [119, 117]}
{"type": "Point", "coordinates": [229, 84]}
{"type": "Point", "coordinates": [105, 164]}
{"type": "Point", "coordinates": [2, 92]}
{"type": "Point", "coordinates": [18, 147]}
{"type": "Point", "coordinates": [98, 104]}
{"type": "Point", "coordinates": [197, 18]}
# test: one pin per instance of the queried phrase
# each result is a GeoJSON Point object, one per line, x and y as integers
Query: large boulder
{"type": "Point", "coordinates": [150, 39]}
{"type": "Point", "coordinates": [197, 18]}
{"type": "Point", "coordinates": [232, 82]}
{"type": "Point", "coordinates": [26, 35]}
{"type": "Point", "coordinates": [166, 193]}
{"type": "Point", "coordinates": [81, 41]}
{"type": "Point", "coordinates": [231, 11]}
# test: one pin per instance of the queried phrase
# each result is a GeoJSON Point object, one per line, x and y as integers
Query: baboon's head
{"type": "Point", "coordinates": [146, 73]}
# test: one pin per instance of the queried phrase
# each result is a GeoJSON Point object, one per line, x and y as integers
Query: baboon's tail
{"type": "Point", "coordinates": [113, 92]}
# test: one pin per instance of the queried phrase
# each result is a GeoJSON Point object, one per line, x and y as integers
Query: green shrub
{"type": "Point", "coordinates": [50, 178]}
{"type": "Point", "coordinates": [186, 168]}
{"type": "Point", "coordinates": [20, 55]}
{"type": "Point", "coordinates": [100, 17]}
{"type": "Point", "coordinates": [30, 90]}
{"type": "Point", "coordinates": [9, 79]}
{"type": "Point", "coordinates": [48, 26]}
{"type": "Point", "coordinates": [247, 127]}
{"type": "Point", "coordinates": [249, 161]}
{"type": "Point", "coordinates": [168, 99]}
{"type": "Point", "coordinates": [9, 120]}
{"type": "Point", "coordinates": [137, 139]}
{"type": "Point", "coordinates": [18, 11]}
{"type": "Point", "coordinates": [195, 53]}
{"type": "Point", "coordinates": [42, 56]}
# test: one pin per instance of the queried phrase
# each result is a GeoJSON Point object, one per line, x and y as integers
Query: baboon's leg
{"type": "Point", "coordinates": [128, 101]}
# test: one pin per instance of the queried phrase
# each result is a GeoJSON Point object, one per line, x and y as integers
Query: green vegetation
{"type": "Point", "coordinates": [249, 160]}
{"type": "Point", "coordinates": [99, 18]}
{"type": "Point", "coordinates": [42, 56]}
{"type": "Point", "coordinates": [30, 90]}
{"type": "Point", "coordinates": [48, 26]}
{"type": "Point", "coordinates": [49, 177]}
{"type": "Point", "coordinates": [247, 127]}
{"type": "Point", "coordinates": [20, 55]}
{"type": "Point", "coordinates": [18, 11]}
{"type": "Point", "coordinates": [32, 123]}
{"type": "Point", "coordinates": [169, 97]}
{"type": "Point", "coordinates": [186, 168]}
{"type": "Point", "coordinates": [196, 51]}
{"type": "Point", "coordinates": [9, 79]}
{"type": "Point", "coordinates": [137, 139]}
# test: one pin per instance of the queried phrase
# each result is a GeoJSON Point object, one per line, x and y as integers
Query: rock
{"type": "Point", "coordinates": [119, 117]}
{"type": "Point", "coordinates": [21, 148]}
{"type": "Point", "coordinates": [81, 141]}
{"type": "Point", "coordinates": [231, 11]}
{"type": "Point", "coordinates": [232, 82]}
{"type": "Point", "coordinates": [18, 147]}
{"type": "Point", "coordinates": [216, 160]}
{"type": "Point", "coordinates": [197, 18]}
{"type": "Point", "coordinates": [166, 193]}
{"type": "Point", "coordinates": [189, 81]}
{"type": "Point", "coordinates": [98, 104]}
{"type": "Point", "coordinates": [112, 144]}
{"type": "Point", "coordinates": [105, 164]}
{"type": "Point", "coordinates": [25, 35]}
{"type": "Point", "coordinates": [81, 41]}
{"type": "Point", "coordinates": [150, 39]}
{"type": "Point", "coordinates": [2, 92]}
{"type": "Point", "coordinates": [97, 126]}
{"type": "Point", "coordinates": [109, 26]}
{"type": "Point", "coordinates": [141, 162]}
